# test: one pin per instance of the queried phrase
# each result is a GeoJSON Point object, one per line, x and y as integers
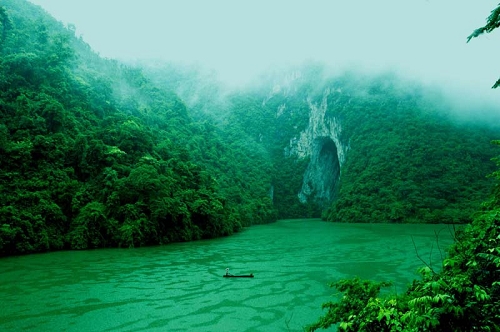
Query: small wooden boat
{"type": "Point", "coordinates": [242, 276]}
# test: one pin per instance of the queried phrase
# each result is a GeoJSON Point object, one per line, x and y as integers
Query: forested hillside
{"type": "Point", "coordinates": [92, 154]}
{"type": "Point", "coordinates": [462, 294]}
{"type": "Point", "coordinates": [96, 153]}
{"type": "Point", "coordinates": [411, 157]}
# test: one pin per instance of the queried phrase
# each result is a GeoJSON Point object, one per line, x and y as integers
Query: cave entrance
{"type": "Point", "coordinates": [322, 175]}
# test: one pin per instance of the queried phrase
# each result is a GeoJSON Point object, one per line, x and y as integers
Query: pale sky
{"type": "Point", "coordinates": [424, 39]}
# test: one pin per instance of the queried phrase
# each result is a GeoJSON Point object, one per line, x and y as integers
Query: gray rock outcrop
{"type": "Point", "coordinates": [323, 144]}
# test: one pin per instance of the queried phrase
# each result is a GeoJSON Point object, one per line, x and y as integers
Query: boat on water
{"type": "Point", "coordinates": [241, 276]}
{"type": "Point", "coordinates": [229, 275]}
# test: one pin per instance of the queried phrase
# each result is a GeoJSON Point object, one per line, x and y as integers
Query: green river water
{"type": "Point", "coordinates": [179, 287]}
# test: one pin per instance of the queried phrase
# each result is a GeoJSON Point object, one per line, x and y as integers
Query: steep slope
{"type": "Point", "coordinates": [366, 148]}
{"type": "Point", "coordinates": [409, 161]}
{"type": "Point", "coordinates": [93, 154]}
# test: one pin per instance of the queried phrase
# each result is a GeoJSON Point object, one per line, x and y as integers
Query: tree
{"type": "Point", "coordinates": [5, 25]}
{"type": "Point", "coordinates": [492, 22]}
{"type": "Point", "coordinates": [88, 228]}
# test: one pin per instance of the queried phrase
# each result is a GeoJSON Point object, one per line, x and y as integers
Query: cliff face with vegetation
{"type": "Point", "coordinates": [95, 153]}
{"type": "Point", "coordinates": [370, 149]}
{"type": "Point", "coordinates": [322, 142]}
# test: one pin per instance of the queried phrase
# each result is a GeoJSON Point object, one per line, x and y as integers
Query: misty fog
{"type": "Point", "coordinates": [421, 39]}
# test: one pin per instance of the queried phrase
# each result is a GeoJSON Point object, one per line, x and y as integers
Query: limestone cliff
{"type": "Point", "coordinates": [322, 142]}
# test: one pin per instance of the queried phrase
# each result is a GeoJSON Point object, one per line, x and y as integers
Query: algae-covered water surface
{"type": "Point", "coordinates": [179, 287]}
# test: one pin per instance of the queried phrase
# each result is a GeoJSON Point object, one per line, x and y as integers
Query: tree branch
{"type": "Point", "coordinates": [420, 258]}
{"type": "Point", "coordinates": [492, 22]}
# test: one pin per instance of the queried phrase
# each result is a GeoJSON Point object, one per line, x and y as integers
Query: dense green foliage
{"type": "Point", "coordinates": [411, 162]}
{"type": "Point", "coordinates": [409, 159]}
{"type": "Point", "coordinates": [95, 153]}
{"type": "Point", "coordinates": [249, 116]}
{"type": "Point", "coordinates": [92, 154]}
{"type": "Point", "coordinates": [463, 296]}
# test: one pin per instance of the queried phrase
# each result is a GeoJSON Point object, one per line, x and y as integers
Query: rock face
{"type": "Point", "coordinates": [323, 144]}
